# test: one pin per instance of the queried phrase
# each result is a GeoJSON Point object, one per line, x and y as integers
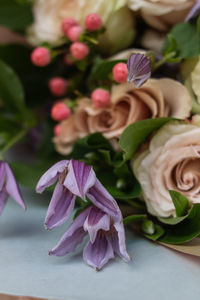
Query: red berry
{"type": "Point", "coordinates": [74, 32]}
{"type": "Point", "coordinates": [93, 22]}
{"type": "Point", "coordinates": [68, 60]}
{"type": "Point", "coordinates": [100, 97]}
{"type": "Point", "coordinates": [120, 72]}
{"type": "Point", "coordinates": [60, 111]}
{"type": "Point", "coordinates": [79, 50]}
{"type": "Point", "coordinates": [58, 86]}
{"type": "Point", "coordinates": [57, 130]}
{"type": "Point", "coordinates": [41, 56]}
{"type": "Point", "coordinates": [67, 23]}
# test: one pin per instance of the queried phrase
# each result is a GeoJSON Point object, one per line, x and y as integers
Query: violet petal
{"type": "Point", "coordinates": [3, 199]}
{"type": "Point", "coordinates": [72, 237]}
{"type": "Point", "coordinates": [95, 221]}
{"type": "Point", "coordinates": [194, 11]}
{"type": "Point", "coordinates": [12, 187]}
{"type": "Point", "coordinates": [60, 207]}
{"type": "Point", "coordinates": [103, 200]}
{"type": "Point", "coordinates": [98, 253]}
{"type": "Point", "coordinates": [2, 174]}
{"type": "Point", "coordinates": [139, 69]}
{"type": "Point", "coordinates": [79, 178]}
{"type": "Point", "coordinates": [119, 243]}
{"type": "Point", "coordinates": [51, 175]}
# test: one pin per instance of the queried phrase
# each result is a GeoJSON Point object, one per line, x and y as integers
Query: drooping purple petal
{"type": "Point", "coordinates": [119, 243]}
{"type": "Point", "coordinates": [51, 175]}
{"type": "Point", "coordinates": [195, 11]}
{"type": "Point", "coordinates": [12, 187]}
{"type": "Point", "coordinates": [72, 237]}
{"type": "Point", "coordinates": [3, 199]}
{"type": "Point", "coordinates": [79, 178]}
{"type": "Point", "coordinates": [103, 200]}
{"type": "Point", "coordinates": [95, 221]}
{"type": "Point", "coordinates": [97, 254]}
{"type": "Point", "coordinates": [60, 207]}
{"type": "Point", "coordinates": [139, 69]}
{"type": "Point", "coordinates": [2, 174]}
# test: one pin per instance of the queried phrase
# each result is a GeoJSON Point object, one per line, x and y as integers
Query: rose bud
{"type": "Point", "coordinates": [100, 97]}
{"type": "Point", "coordinates": [120, 72]}
{"type": "Point", "coordinates": [41, 56]}
{"type": "Point", "coordinates": [60, 111]}
{"type": "Point", "coordinates": [74, 32]}
{"type": "Point", "coordinates": [58, 86]}
{"type": "Point", "coordinates": [57, 130]}
{"type": "Point", "coordinates": [93, 22]}
{"type": "Point", "coordinates": [79, 50]}
{"type": "Point", "coordinates": [67, 23]}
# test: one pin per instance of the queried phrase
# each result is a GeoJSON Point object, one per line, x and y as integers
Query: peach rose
{"type": "Point", "coordinates": [156, 98]}
{"type": "Point", "coordinates": [162, 14]}
{"type": "Point", "coordinates": [172, 162]}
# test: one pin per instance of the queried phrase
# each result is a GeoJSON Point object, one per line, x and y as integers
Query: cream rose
{"type": "Point", "coordinates": [156, 98]}
{"type": "Point", "coordinates": [190, 70]}
{"type": "Point", "coordinates": [162, 14]}
{"type": "Point", "coordinates": [48, 15]}
{"type": "Point", "coordinates": [172, 162]}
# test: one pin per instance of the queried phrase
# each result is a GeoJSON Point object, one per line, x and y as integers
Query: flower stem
{"type": "Point", "coordinates": [163, 60]}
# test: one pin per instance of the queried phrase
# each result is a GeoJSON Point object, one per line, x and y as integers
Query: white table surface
{"type": "Point", "coordinates": [155, 272]}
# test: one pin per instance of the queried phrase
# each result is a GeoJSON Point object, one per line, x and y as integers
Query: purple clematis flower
{"type": "Point", "coordinates": [106, 238]}
{"type": "Point", "coordinates": [8, 186]}
{"type": "Point", "coordinates": [139, 69]}
{"type": "Point", "coordinates": [195, 11]}
{"type": "Point", "coordinates": [74, 179]}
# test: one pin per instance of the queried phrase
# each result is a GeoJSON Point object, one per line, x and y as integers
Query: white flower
{"type": "Point", "coordinates": [162, 14]}
{"type": "Point", "coordinates": [171, 162]}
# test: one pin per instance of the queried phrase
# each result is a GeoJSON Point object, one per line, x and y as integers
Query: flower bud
{"type": "Point", "coordinates": [67, 23]}
{"type": "Point", "coordinates": [93, 22]}
{"type": "Point", "coordinates": [79, 50]}
{"type": "Point", "coordinates": [41, 56]}
{"type": "Point", "coordinates": [57, 130]}
{"type": "Point", "coordinates": [58, 86]}
{"type": "Point", "coordinates": [100, 97]}
{"type": "Point", "coordinates": [60, 111]}
{"type": "Point", "coordinates": [120, 72]}
{"type": "Point", "coordinates": [74, 32]}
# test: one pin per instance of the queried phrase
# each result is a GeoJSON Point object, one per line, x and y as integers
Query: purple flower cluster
{"type": "Point", "coordinates": [139, 69]}
{"type": "Point", "coordinates": [102, 221]}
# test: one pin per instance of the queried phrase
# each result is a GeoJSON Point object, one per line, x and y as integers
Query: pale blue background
{"type": "Point", "coordinates": [155, 273]}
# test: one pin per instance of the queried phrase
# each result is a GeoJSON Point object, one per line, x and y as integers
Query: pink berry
{"type": "Point", "coordinates": [41, 56]}
{"type": "Point", "coordinates": [67, 23]}
{"type": "Point", "coordinates": [74, 32]}
{"type": "Point", "coordinates": [57, 130]}
{"type": "Point", "coordinates": [58, 86]}
{"type": "Point", "coordinates": [60, 111]}
{"type": "Point", "coordinates": [79, 50]}
{"type": "Point", "coordinates": [68, 60]}
{"type": "Point", "coordinates": [120, 72]}
{"type": "Point", "coordinates": [100, 97]}
{"type": "Point", "coordinates": [93, 22]}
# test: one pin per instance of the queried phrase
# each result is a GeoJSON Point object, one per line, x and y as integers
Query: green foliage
{"type": "Point", "coordinates": [133, 219]}
{"type": "Point", "coordinates": [16, 15]}
{"type": "Point", "coordinates": [148, 227]}
{"type": "Point", "coordinates": [135, 134]}
{"type": "Point", "coordinates": [158, 233]}
{"type": "Point", "coordinates": [180, 203]}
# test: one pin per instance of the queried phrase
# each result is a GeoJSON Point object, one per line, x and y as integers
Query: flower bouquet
{"type": "Point", "coordinates": [105, 98]}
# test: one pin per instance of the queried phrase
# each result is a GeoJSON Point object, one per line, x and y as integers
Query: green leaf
{"type": "Point", "coordinates": [186, 230]}
{"type": "Point", "coordinates": [11, 90]}
{"type": "Point", "coordinates": [15, 15]}
{"type": "Point", "coordinates": [148, 227]}
{"type": "Point", "coordinates": [159, 231]}
{"type": "Point", "coordinates": [180, 202]}
{"type": "Point", "coordinates": [102, 69]}
{"type": "Point", "coordinates": [133, 219]}
{"type": "Point", "coordinates": [135, 134]}
{"type": "Point", "coordinates": [172, 221]}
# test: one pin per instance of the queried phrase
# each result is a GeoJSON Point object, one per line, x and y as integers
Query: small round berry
{"type": "Point", "coordinates": [74, 32]}
{"type": "Point", "coordinates": [41, 56]}
{"type": "Point", "coordinates": [93, 22]}
{"type": "Point", "coordinates": [120, 72]}
{"type": "Point", "coordinates": [67, 23]}
{"type": "Point", "coordinates": [60, 111]}
{"type": "Point", "coordinates": [79, 50]}
{"type": "Point", "coordinates": [57, 130]}
{"type": "Point", "coordinates": [68, 59]}
{"type": "Point", "coordinates": [100, 97]}
{"type": "Point", "coordinates": [58, 86]}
